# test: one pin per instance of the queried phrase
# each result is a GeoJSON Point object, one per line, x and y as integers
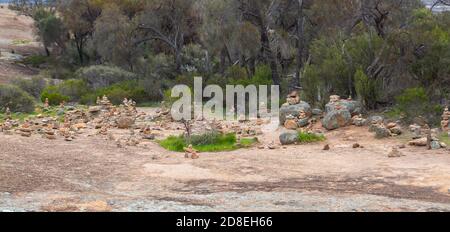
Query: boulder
{"type": "Point", "coordinates": [421, 142]}
{"type": "Point", "coordinates": [375, 120]}
{"type": "Point", "coordinates": [294, 110]}
{"type": "Point", "coordinates": [336, 119]}
{"type": "Point", "coordinates": [125, 122]}
{"type": "Point", "coordinates": [289, 137]}
{"type": "Point", "coordinates": [354, 107]}
{"type": "Point", "coordinates": [303, 122]}
{"type": "Point", "coordinates": [291, 124]}
{"type": "Point", "coordinates": [435, 145]}
{"type": "Point", "coordinates": [396, 130]}
{"type": "Point", "coordinates": [381, 131]}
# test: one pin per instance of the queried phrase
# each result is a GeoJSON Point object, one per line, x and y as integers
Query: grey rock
{"type": "Point", "coordinates": [148, 137]}
{"type": "Point", "coordinates": [336, 119]}
{"type": "Point", "coordinates": [359, 122]}
{"type": "Point", "coordinates": [289, 137]}
{"type": "Point", "coordinates": [435, 145]}
{"type": "Point", "coordinates": [375, 120]}
{"type": "Point", "coordinates": [303, 122]}
{"type": "Point", "coordinates": [60, 112]}
{"type": "Point", "coordinates": [294, 111]}
{"type": "Point", "coordinates": [354, 107]}
{"type": "Point", "coordinates": [381, 131]}
{"type": "Point", "coordinates": [317, 112]}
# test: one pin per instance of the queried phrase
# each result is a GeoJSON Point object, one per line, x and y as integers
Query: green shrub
{"type": "Point", "coordinates": [74, 89]}
{"type": "Point", "coordinates": [367, 89]}
{"type": "Point", "coordinates": [33, 86]}
{"type": "Point", "coordinates": [16, 99]}
{"type": "Point", "coordinates": [211, 138]}
{"type": "Point", "coordinates": [263, 76]}
{"type": "Point", "coordinates": [413, 102]}
{"type": "Point", "coordinates": [54, 96]}
{"type": "Point", "coordinates": [117, 92]}
{"type": "Point", "coordinates": [309, 137]}
{"type": "Point", "coordinates": [101, 76]}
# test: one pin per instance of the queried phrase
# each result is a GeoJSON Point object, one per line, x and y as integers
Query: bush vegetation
{"type": "Point", "coordinates": [414, 102]}
{"type": "Point", "coordinates": [33, 86]}
{"type": "Point", "coordinates": [101, 76]}
{"type": "Point", "coordinates": [16, 99]}
{"type": "Point", "coordinates": [314, 46]}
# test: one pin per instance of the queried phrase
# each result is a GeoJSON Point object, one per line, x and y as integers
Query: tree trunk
{"type": "Point", "coordinates": [300, 29]}
{"type": "Point", "coordinates": [47, 52]}
{"type": "Point", "coordinates": [178, 61]}
{"type": "Point", "coordinates": [270, 57]}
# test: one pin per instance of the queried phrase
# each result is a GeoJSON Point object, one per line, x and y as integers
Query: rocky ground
{"type": "Point", "coordinates": [16, 41]}
{"type": "Point", "coordinates": [91, 173]}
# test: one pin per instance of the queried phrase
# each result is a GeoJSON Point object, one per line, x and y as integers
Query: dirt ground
{"type": "Point", "coordinates": [92, 174]}
{"type": "Point", "coordinates": [16, 41]}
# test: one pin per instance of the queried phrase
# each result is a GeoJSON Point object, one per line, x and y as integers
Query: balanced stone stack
{"type": "Point", "coordinates": [339, 112]}
{"type": "Point", "coordinates": [49, 133]}
{"type": "Point", "coordinates": [7, 126]}
{"type": "Point", "coordinates": [147, 133]}
{"type": "Point", "coordinates": [295, 113]}
{"type": "Point", "coordinates": [190, 152]}
{"type": "Point", "coordinates": [382, 130]}
{"type": "Point", "coordinates": [8, 113]}
{"type": "Point", "coordinates": [25, 130]}
{"type": "Point", "coordinates": [358, 120]}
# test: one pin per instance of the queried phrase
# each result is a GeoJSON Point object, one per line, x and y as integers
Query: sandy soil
{"type": "Point", "coordinates": [16, 40]}
{"type": "Point", "coordinates": [92, 174]}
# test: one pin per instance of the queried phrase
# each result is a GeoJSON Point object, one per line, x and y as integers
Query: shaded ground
{"type": "Point", "coordinates": [92, 174]}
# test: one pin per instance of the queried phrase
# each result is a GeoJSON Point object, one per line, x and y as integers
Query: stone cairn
{"type": "Point", "coordinates": [423, 136]}
{"type": "Point", "coordinates": [190, 152]}
{"type": "Point", "coordinates": [8, 114]}
{"type": "Point", "coordinates": [46, 104]}
{"type": "Point", "coordinates": [103, 116]}
{"type": "Point", "coordinates": [295, 114]}
{"type": "Point", "coordinates": [341, 113]}
{"type": "Point", "coordinates": [382, 129]}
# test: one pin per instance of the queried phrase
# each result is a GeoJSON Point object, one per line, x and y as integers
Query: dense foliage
{"type": "Point", "coordinates": [370, 50]}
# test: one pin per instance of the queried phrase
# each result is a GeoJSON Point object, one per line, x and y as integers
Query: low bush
{"type": "Point", "coordinates": [367, 89]}
{"type": "Point", "coordinates": [33, 86]}
{"type": "Point", "coordinates": [414, 102]}
{"type": "Point", "coordinates": [74, 89]}
{"type": "Point", "coordinates": [54, 96]}
{"type": "Point", "coordinates": [117, 92]}
{"type": "Point", "coordinates": [16, 99]}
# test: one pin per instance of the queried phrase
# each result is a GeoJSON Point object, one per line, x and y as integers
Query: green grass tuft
{"type": "Point", "coordinates": [209, 142]}
{"type": "Point", "coordinates": [310, 137]}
